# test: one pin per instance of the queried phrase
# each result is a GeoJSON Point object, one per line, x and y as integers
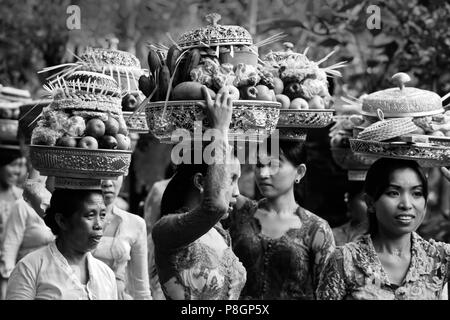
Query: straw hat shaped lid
{"type": "Point", "coordinates": [215, 34]}
{"type": "Point", "coordinates": [387, 129]}
{"type": "Point", "coordinates": [402, 101]}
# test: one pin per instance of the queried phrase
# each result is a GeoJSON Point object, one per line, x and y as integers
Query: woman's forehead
{"type": "Point", "coordinates": [405, 177]}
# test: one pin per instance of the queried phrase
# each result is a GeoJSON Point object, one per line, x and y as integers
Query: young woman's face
{"type": "Point", "coordinates": [401, 208]}
{"type": "Point", "coordinates": [275, 176]}
{"type": "Point", "coordinates": [10, 173]}
{"type": "Point", "coordinates": [111, 189]}
{"type": "Point", "coordinates": [84, 228]}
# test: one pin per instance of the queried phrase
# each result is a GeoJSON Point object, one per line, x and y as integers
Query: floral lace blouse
{"type": "Point", "coordinates": [188, 268]}
{"type": "Point", "coordinates": [355, 272]}
{"type": "Point", "coordinates": [284, 268]}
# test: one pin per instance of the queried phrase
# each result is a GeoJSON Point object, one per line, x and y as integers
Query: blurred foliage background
{"type": "Point", "coordinates": [414, 36]}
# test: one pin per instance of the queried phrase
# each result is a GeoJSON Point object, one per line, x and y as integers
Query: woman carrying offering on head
{"type": "Point", "coordinates": [65, 269]}
{"type": "Point", "coordinates": [193, 256]}
{"type": "Point", "coordinates": [391, 262]}
{"type": "Point", "coordinates": [123, 246]}
{"type": "Point", "coordinates": [282, 245]}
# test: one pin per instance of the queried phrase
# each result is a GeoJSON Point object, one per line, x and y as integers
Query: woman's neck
{"type": "Point", "coordinates": [109, 208]}
{"type": "Point", "coordinates": [283, 204]}
{"type": "Point", "coordinates": [394, 245]}
{"type": "Point", "coordinates": [72, 256]}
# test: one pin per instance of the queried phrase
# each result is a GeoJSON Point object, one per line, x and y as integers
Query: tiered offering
{"type": "Point", "coordinates": [126, 70]}
{"type": "Point", "coordinates": [215, 56]}
{"type": "Point", "coordinates": [301, 87]}
{"type": "Point", "coordinates": [407, 123]}
{"type": "Point", "coordinates": [82, 133]}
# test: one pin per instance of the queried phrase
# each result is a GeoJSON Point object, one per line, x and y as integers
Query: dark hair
{"type": "Point", "coordinates": [9, 154]}
{"type": "Point", "coordinates": [354, 188]}
{"type": "Point", "coordinates": [180, 187]}
{"type": "Point", "coordinates": [293, 150]}
{"type": "Point", "coordinates": [65, 202]}
{"type": "Point", "coordinates": [378, 179]}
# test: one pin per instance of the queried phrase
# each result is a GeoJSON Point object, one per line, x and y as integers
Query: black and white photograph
{"type": "Point", "coordinates": [235, 151]}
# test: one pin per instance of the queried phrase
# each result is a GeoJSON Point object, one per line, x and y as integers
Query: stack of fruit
{"type": "Point", "coordinates": [215, 56]}
{"type": "Point", "coordinates": [82, 132]}
{"type": "Point", "coordinates": [407, 123]}
{"type": "Point", "coordinates": [10, 101]}
{"type": "Point", "coordinates": [301, 87]}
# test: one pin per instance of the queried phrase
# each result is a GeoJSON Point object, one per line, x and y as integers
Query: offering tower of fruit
{"type": "Point", "coordinates": [215, 56]}
{"type": "Point", "coordinates": [82, 133]}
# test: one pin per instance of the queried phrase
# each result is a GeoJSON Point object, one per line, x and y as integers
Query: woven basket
{"type": "Point", "coordinates": [80, 163]}
{"type": "Point", "coordinates": [426, 155]}
{"type": "Point", "coordinates": [252, 120]}
{"type": "Point", "coordinates": [137, 123]}
{"type": "Point", "coordinates": [293, 118]}
{"type": "Point", "coordinates": [347, 160]}
{"type": "Point", "coordinates": [387, 129]}
{"type": "Point", "coordinates": [8, 129]}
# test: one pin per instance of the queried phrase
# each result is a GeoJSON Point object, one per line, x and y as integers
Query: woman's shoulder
{"type": "Point", "coordinates": [37, 257]}
{"type": "Point", "coordinates": [431, 247]}
{"type": "Point", "coordinates": [129, 218]}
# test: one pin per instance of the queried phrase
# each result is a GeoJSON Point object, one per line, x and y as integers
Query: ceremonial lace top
{"type": "Point", "coordinates": [354, 271]}
{"type": "Point", "coordinates": [190, 269]}
{"type": "Point", "coordinates": [126, 255]}
{"type": "Point", "coordinates": [5, 208]}
{"type": "Point", "coordinates": [25, 231]}
{"type": "Point", "coordinates": [284, 268]}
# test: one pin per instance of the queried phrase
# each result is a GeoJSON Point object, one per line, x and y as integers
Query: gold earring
{"type": "Point", "coordinates": [297, 180]}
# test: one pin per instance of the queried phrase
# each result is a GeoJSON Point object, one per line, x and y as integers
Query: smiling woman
{"type": "Point", "coordinates": [392, 261]}
{"type": "Point", "coordinates": [65, 269]}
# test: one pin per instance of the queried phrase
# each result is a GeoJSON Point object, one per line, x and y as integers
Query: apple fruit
{"type": "Point", "coordinates": [437, 133]}
{"type": "Point", "coordinates": [6, 113]}
{"type": "Point", "coordinates": [263, 93]}
{"type": "Point", "coordinates": [249, 92]}
{"type": "Point", "coordinates": [15, 114]}
{"type": "Point", "coordinates": [111, 126]}
{"type": "Point", "coordinates": [95, 128]}
{"type": "Point", "coordinates": [66, 141]}
{"type": "Point", "coordinates": [272, 94]}
{"type": "Point", "coordinates": [284, 100]}
{"type": "Point", "coordinates": [316, 103]}
{"type": "Point", "coordinates": [107, 142]}
{"type": "Point", "coordinates": [299, 103]}
{"type": "Point", "coordinates": [123, 126]}
{"type": "Point", "coordinates": [233, 92]}
{"type": "Point", "coordinates": [88, 142]}
{"type": "Point", "coordinates": [123, 142]}
{"type": "Point", "coordinates": [278, 85]}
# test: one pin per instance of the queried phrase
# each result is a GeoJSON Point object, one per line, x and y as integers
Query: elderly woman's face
{"type": "Point", "coordinates": [401, 208]}
{"type": "Point", "coordinates": [85, 227]}
{"type": "Point", "coordinates": [111, 189]}
{"type": "Point", "coordinates": [10, 173]}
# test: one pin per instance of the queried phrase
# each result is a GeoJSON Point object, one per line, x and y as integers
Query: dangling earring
{"type": "Point", "coordinates": [200, 189]}
{"type": "Point", "coordinates": [297, 180]}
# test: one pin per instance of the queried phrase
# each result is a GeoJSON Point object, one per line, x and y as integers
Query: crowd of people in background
{"type": "Point", "coordinates": [201, 239]}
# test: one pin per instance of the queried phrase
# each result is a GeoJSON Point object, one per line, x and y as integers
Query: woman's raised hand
{"type": "Point", "coordinates": [219, 111]}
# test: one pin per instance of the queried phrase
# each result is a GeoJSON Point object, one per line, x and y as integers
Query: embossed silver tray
{"type": "Point", "coordinates": [252, 120]}
{"type": "Point", "coordinates": [425, 154]}
{"type": "Point", "coordinates": [79, 162]}
{"type": "Point", "coordinates": [305, 118]}
{"type": "Point", "coordinates": [136, 123]}
{"type": "Point", "coordinates": [348, 160]}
